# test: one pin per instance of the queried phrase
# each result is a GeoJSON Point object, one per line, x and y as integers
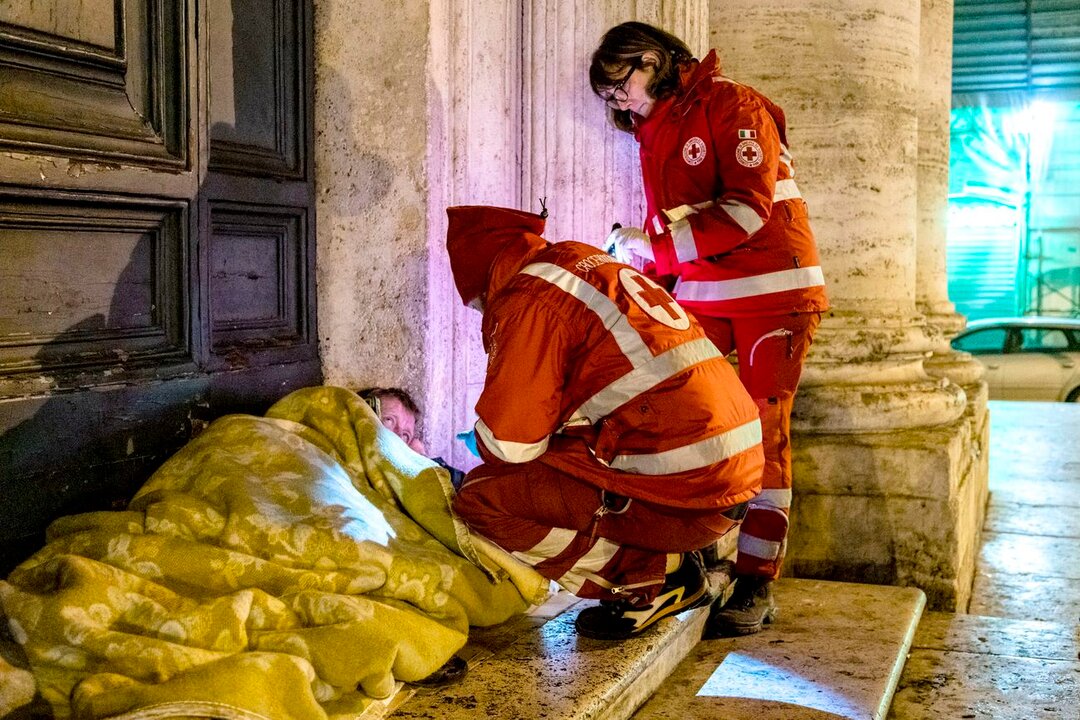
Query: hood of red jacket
{"type": "Point", "coordinates": [488, 245]}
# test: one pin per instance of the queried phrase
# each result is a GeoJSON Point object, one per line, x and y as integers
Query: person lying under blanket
{"type": "Point", "coordinates": [296, 566]}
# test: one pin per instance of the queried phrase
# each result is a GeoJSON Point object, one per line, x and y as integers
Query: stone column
{"type": "Point", "coordinates": [474, 158]}
{"type": "Point", "coordinates": [881, 449]}
{"type": "Point", "coordinates": [932, 292]}
{"type": "Point", "coordinates": [419, 111]}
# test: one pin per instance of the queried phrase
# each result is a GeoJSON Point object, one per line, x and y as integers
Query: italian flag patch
{"type": "Point", "coordinates": [747, 134]}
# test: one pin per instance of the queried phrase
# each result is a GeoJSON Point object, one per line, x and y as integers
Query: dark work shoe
{"type": "Point", "coordinates": [685, 588]}
{"type": "Point", "coordinates": [750, 607]}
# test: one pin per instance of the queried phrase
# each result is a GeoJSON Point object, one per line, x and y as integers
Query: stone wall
{"type": "Point", "coordinates": [428, 105]}
{"type": "Point", "coordinates": [371, 136]}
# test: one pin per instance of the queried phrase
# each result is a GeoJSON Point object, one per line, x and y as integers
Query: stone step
{"type": "Point", "coordinates": [837, 650]}
{"type": "Point", "coordinates": [536, 666]}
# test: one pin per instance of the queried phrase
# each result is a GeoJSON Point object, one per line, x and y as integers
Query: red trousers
{"type": "Point", "coordinates": [771, 350]}
{"type": "Point", "coordinates": [594, 544]}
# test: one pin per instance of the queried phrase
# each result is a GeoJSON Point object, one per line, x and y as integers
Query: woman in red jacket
{"type": "Point", "coordinates": [727, 231]}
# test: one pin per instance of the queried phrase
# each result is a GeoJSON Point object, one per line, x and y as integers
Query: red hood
{"type": "Point", "coordinates": [488, 245]}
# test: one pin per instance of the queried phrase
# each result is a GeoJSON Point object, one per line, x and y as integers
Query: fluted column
{"type": "Point", "coordinates": [881, 448]}
{"type": "Point", "coordinates": [474, 97]}
{"type": "Point", "coordinates": [846, 72]}
{"type": "Point", "coordinates": [512, 120]}
{"type": "Point", "coordinates": [587, 170]}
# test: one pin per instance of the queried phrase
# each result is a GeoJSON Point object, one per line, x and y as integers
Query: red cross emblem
{"type": "Point", "coordinates": [749, 153]}
{"type": "Point", "coordinates": [653, 299]}
{"type": "Point", "coordinates": [656, 297]}
{"type": "Point", "coordinates": [693, 152]}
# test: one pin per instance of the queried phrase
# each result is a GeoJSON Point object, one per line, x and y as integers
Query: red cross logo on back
{"type": "Point", "coordinates": [654, 299]}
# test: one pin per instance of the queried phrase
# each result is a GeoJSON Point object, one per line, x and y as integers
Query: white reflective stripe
{"type": "Point", "coordinates": [657, 225]}
{"type": "Point", "coordinates": [628, 339]}
{"type": "Point", "coordinates": [571, 582]}
{"type": "Point", "coordinates": [599, 556]}
{"type": "Point", "coordinates": [779, 332]}
{"type": "Point", "coordinates": [786, 190]}
{"type": "Point", "coordinates": [681, 212]}
{"type": "Point", "coordinates": [644, 377]}
{"type": "Point", "coordinates": [590, 563]}
{"type": "Point", "coordinates": [756, 547]}
{"type": "Point", "coordinates": [775, 498]}
{"type": "Point", "coordinates": [694, 456]}
{"type": "Point", "coordinates": [553, 544]}
{"type": "Point", "coordinates": [743, 215]}
{"type": "Point", "coordinates": [508, 450]}
{"type": "Point", "coordinates": [682, 237]}
{"type": "Point", "coordinates": [785, 157]}
{"type": "Point", "coordinates": [711, 290]}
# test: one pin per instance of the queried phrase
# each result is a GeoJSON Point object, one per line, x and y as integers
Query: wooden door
{"type": "Point", "coordinates": [156, 238]}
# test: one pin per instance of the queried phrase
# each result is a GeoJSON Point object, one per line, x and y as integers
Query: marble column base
{"type": "Point", "coordinates": [960, 367]}
{"type": "Point", "coordinates": [903, 507]}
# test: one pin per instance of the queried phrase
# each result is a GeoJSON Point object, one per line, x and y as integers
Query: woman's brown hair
{"type": "Point", "coordinates": [623, 46]}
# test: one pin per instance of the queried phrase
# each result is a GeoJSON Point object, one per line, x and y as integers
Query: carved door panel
{"type": "Point", "coordinates": [156, 237]}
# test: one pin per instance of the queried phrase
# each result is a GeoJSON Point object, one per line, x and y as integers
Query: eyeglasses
{"type": "Point", "coordinates": [618, 94]}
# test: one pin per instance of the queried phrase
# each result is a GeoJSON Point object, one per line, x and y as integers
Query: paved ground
{"type": "Point", "coordinates": [1016, 656]}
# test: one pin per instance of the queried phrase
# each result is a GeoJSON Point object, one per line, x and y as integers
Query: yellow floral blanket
{"type": "Point", "coordinates": [292, 566]}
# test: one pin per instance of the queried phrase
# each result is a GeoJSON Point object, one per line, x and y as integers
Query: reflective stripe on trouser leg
{"type": "Point", "coordinates": [763, 535]}
{"type": "Point", "coordinates": [762, 542]}
{"type": "Point", "coordinates": [567, 558]}
{"type": "Point", "coordinates": [548, 520]}
{"type": "Point", "coordinates": [595, 567]}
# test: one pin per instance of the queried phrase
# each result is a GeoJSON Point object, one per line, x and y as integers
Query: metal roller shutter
{"type": "Point", "coordinates": [1006, 46]}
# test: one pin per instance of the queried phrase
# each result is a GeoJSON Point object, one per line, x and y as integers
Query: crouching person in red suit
{"type": "Point", "coordinates": [616, 438]}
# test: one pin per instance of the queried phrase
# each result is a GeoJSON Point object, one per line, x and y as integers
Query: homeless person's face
{"type": "Point", "coordinates": [399, 420]}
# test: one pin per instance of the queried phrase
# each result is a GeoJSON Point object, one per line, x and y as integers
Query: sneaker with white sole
{"type": "Point", "coordinates": [685, 588]}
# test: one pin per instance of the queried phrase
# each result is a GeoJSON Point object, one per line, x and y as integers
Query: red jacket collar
{"type": "Point", "coordinates": [695, 78]}
{"type": "Point", "coordinates": [515, 255]}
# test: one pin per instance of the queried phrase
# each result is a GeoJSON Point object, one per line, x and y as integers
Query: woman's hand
{"type": "Point", "coordinates": [631, 246]}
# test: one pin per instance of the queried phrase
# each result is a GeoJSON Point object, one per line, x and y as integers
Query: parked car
{"type": "Point", "coordinates": [1027, 358]}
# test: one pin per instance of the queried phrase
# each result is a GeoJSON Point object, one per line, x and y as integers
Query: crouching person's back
{"type": "Point", "coordinates": [617, 441]}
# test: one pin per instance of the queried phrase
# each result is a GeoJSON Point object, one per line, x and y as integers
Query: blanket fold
{"type": "Point", "coordinates": [292, 566]}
